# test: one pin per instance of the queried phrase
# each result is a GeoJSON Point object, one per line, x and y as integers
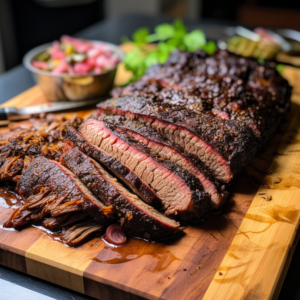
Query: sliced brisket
{"type": "Point", "coordinates": [50, 188]}
{"type": "Point", "coordinates": [224, 146]}
{"type": "Point", "coordinates": [180, 191]}
{"type": "Point", "coordinates": [171, 137]}
{"type": "Point", "coordinates": [137, 218]}
{"type": "Point", "coordinates": [136, 184]}
{"type": "Point", "coordinates": [155, 141]}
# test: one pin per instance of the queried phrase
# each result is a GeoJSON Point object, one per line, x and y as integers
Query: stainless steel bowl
{"type": "Point", "coordinates": [64, 87]}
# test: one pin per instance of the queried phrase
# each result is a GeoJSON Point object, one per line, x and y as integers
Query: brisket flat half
{"type": "Point", "coordinates": [181, 192]}
{"type": "Point", "coordinates": [50, 188]}
{"type": "Point", "coordinates": [136, 217]}
{"type": "Point", "coordinates": [158, 144]}
{"type": "Point", "coordinates": [224, 146]}
{"type": "Point", "coordinates": [136, 184]}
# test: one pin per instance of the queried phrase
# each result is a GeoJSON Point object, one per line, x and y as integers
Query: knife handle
{"type": "Point", "coordinates": [3, 114]}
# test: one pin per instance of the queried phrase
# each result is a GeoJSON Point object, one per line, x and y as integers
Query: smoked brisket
{"type": "Point", "coordinates": [175, 138]}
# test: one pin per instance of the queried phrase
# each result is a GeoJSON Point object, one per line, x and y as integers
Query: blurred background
{"type": "Point", "coordinates": [25, 24]}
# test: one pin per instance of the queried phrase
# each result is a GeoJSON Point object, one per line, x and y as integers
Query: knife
{"type": "Point", "coordinates": [7, 112]}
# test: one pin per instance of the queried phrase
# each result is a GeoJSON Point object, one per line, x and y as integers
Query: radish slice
{"type": "Point", "coordinates": [81, 68]}
{"type": "Point", "coordinates": [61, 68]}
{"type": "Point", "coordinates": [40, 65]}
{"type": "Point", "coordinates": [98, 70]}
{"type": "Point", "coordinates": [115, 235]}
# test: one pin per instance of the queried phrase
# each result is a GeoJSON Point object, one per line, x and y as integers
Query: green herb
{"type": "Point", "coordinates": [194, 40]}
{"type": "Point", "coordinates": [140, 36]}
{"type": "Point", "coordinates": [162, 32]}
{"type": "Point", "coordinates": [280, 68]}
{"type": "Point", "coordinates": [260, 60]}
{"type": "Point", "coordinates": [168, 38]}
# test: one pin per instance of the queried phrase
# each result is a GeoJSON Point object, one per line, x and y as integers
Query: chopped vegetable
{"type": "Point", "coordinates": [168, 37]}
{"type": "Point", "coordinates": [280, 68]}
{"type": "Point", "coordinates": [115, 235]}
{"type": "Point", "coordinates": [76, 56]}
{"type": "Point", "coordinates": [40, 65]}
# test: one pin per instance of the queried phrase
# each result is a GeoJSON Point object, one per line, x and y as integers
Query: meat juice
{"type": "Point", "coordinates": [9, 199]}
{"type": "Point", "coordinates": [135, 249]}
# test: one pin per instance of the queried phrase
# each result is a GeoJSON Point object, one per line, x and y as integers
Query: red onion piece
{"type": "Point", "coordinates": [115, 234]}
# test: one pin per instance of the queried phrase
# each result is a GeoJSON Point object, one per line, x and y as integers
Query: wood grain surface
{"type": "Point", "coordinates": [242, 252]}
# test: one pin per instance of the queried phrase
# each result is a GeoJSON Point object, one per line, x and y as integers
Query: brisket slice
{"type": "Point", "coordinates": [50, 188]}
{"type": "Point", "coordinates": [224, 146]}
{"type": "Point", "coordinates": [166, 150]}
{"type": "Point", "coordinates": [137, 218]}
{"type": "Point", "coordinates": [137, 185]}
{"type": "Point", "coordinates": [181, 192]}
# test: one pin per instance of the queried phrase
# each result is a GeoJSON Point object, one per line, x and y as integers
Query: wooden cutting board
{"type": "Point", "coordinates": [241, 253]}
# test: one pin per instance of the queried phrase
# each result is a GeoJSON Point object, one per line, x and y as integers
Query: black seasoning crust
{"type": "Point", "coordinates": [221, 75]}
{"type": "Point", "coordinates": [246, 90]}
{"type": "Point", "coordinates": [192, 71]}
{"type": "Point", "coordinates": [235, 142]}
{"type": "Point", "coordinates": [137, 218]}
{"type": "Point", "coordinates": [151, 228]}
{"type": "Point", "coordinates": [129, 178]}
{"type": "Point", "coordinates": [43, 172]}
{"type": "Point", "coordinates": [201, 200]}
{"type": "Point", "coordinates": [86, 170]}
{"type": "Point", "coordinates": [219, 98]}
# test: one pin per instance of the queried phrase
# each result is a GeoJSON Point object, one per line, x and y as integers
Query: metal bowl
{"type": "Point", "coordinates": [65, 87]}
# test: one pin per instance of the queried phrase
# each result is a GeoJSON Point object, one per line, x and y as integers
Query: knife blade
{"type": "Point", "coordinates": [7, 112]}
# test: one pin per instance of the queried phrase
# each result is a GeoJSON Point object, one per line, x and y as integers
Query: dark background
{"type": "Point", "coordinates": [25, 24]}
